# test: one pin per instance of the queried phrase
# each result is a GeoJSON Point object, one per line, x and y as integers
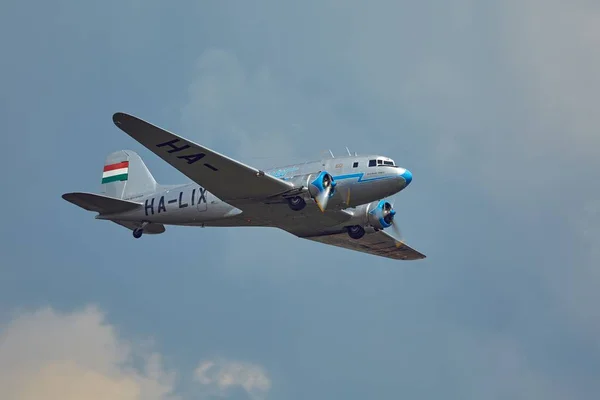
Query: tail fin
{"type": "Point", "coordinates": [125, 175]}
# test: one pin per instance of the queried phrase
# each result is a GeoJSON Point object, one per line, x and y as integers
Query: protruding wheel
{"type": "Point", "coordinates": [356, 231]}
{"type": "Point", "coordinates": [296, 203]}
{"type": "Point", "coordinates": [137, 233]}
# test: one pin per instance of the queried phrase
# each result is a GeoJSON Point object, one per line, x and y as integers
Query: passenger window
{"type": "Point", "coordinates": [355, 165]}
{"type": "Point", "coordinates": [372, 163]}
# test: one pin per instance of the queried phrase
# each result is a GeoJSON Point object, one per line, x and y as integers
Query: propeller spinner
{"type": "Point", "coordinates": [383, 215]}
{"type": "Point", "coordinates": [321, 189]}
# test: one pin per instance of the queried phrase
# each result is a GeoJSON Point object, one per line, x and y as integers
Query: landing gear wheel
{"type": "Point", "coordinates": [296, 203]}
{"type": "Point", "coordinates": [137, 232]}
{"type": "Point", "coordinates": [356, 231]}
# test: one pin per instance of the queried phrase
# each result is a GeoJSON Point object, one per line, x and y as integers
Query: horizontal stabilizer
{"type": "Point", "coordinates": [99, 203]}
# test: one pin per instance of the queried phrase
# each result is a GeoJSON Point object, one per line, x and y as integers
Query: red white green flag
{"type": "Point", "coordinates": [115, 172]}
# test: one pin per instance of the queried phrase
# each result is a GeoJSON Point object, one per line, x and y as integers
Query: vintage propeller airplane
{"type": "Point", "coordinates": [336, 201]}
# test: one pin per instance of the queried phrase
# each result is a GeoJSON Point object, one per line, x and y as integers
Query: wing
{"type": "Point", "coordinates": [226, 178]}
{"type": "Point", "coordinates": [378, 243]}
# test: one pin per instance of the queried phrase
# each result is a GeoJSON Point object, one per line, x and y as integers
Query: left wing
{"type": "Point", "coordinates": [226, 178]}
{"type": "Point", "coordinates": [378, 243]}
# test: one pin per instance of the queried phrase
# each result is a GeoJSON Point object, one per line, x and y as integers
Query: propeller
{"type": "Point", "coordinates": [398, 235]}
{"type": "Point", "coordinates": [389, 213]}
{"type": "Point", "coordinates": [323, 189]}
{"type": "Point", "coordinates": [382, 216]}
{"type": "Point", "coordinates": [323, 197]}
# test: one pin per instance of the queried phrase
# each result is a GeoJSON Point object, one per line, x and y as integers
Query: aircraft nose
{"type": "Point", "coordinates": [407, 176]}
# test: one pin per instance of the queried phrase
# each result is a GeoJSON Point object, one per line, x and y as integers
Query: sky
{"type": "Point", "coordinates": [491, 105]}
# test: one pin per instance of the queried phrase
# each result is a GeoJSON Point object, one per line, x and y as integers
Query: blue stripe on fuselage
{"type": "Point", "coordinates": [360, 177]}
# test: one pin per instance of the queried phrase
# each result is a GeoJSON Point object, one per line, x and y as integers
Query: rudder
{"type": "Point", "coordinates": [125, 176]}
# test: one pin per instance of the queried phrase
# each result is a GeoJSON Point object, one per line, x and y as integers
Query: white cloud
{"type": "Point", "coordinates": [223, 375]}
{"type": "Point", "coordinates": [70, 356]}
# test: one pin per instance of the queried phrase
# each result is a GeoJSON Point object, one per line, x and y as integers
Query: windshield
{"type": "Point", "coordinates": [382, 162]}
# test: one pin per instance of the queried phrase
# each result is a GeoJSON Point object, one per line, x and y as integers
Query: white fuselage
{"type": "Point", "coordinates": [357, 183]}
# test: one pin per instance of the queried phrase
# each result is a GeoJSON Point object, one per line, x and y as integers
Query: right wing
{"type": "Point", "coordinates": [378, 243]}
{"type": "Point", "coordinates": [224, 177]}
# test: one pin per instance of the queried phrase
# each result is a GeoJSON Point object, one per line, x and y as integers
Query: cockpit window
{"type": "Point", "coordinates": [379, 162]}
{"type": "Point", "coordinates": [388, 163]}
{"type": "Point", "coordinates": [372, 163]}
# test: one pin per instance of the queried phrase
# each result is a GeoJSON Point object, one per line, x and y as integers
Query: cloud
{"type": "Point", "coordinates": [223, 375]}
{"type": "Point", "coordinates": [552, 50]}
{"type": "Point", "coordinates": [502, 96]}
{"type": "Point", "coordinates": [504, 371]}
{"type": "Point", "coordinates": [578, 284]}
{"type": "Point", "coordinates": [521, 93]}
{"type": "Point", "coordinates": [542, 120]}
{"type": "Point", "coordinates": [70, 356]}
{"type": "Point", "coordinates": [236, 110]}
{"type": "Point", "coordinates": [553, 47]}
{"type": "Point", "coordinates": [258, 111]}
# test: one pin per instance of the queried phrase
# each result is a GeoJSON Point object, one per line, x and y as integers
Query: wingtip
{"type": "Point", "coordinates": [69, 195]}
{"type": "Point", "coordinates": [118, 118]}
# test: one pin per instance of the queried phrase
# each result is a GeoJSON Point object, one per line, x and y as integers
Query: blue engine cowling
{"type": "Point", "coordinates": [381, 216]}
{"type": "Point", "coordinates": [321, 188]}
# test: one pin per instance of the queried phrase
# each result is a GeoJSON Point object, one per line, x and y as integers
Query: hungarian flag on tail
{"type": "Point", "coordinates": [115, 172]}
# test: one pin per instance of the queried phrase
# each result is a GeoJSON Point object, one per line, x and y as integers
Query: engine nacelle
{"type": "Point", "coordinates": [371, 217]}
{"type": "Point", "coordinates": [320, 187]}
{"type": "Point", "coordinates": [380, 215]}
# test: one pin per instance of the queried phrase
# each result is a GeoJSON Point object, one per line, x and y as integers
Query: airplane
{"type": "Point", "coordinates": [336, 201]}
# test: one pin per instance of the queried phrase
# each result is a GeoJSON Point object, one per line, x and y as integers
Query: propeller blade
{"type": "Point", "coordinates": [323, 198]}
{"type": "Point", "coordinates": [398, 234]}
{"type": "Point", "coordinates": [321, 189]}
{"type": "Point", "coordinates": [348, 197]}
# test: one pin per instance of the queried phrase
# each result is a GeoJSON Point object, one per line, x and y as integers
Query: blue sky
{"type": "Point", "coordinates": [491, 105]}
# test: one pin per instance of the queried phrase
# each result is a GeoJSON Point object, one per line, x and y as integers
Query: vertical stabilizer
{"type": "Point", "coordinates": [126, 176]}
